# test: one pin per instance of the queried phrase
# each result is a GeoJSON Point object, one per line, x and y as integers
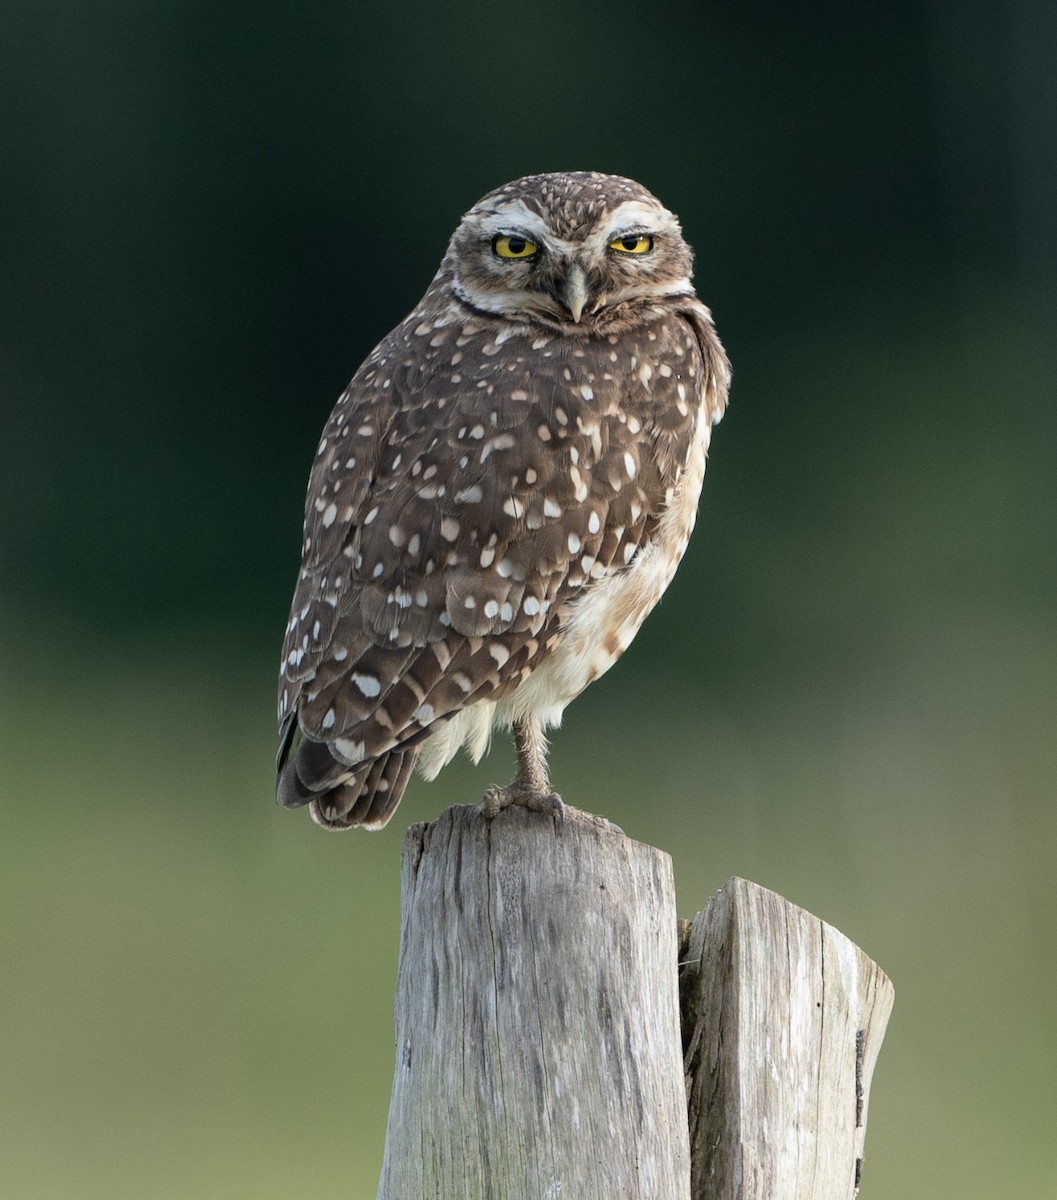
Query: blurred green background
{"type": "Point", "coordinates": [209, 214]}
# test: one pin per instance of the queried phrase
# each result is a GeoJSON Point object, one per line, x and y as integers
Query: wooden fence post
{"type": "Point", "coordinates": [539, 1051]}
{"type": "Point", "coordinates": [783, 1018]}
{"type": "Point", "coordinates": [538, 1048]}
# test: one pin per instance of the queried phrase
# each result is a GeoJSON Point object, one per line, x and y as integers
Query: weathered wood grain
{"type": "Point", "coordinates": [783, 1018]}
{"type": "Point", "coordinates": [537, 1016]}
{"type": "Point", "coordinates": [538, 1027]}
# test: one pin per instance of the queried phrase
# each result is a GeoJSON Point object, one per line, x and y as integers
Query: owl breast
{"type": "Point", "coordinates": [603, 621]}
{"type": "Point", "coordinates": [599, 621]}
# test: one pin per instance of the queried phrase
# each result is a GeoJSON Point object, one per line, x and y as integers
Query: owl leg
{"type": "Point", "coordinates": [531, 787]}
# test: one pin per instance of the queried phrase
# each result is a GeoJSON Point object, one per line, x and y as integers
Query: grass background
{"type": "Point", "coordinates": [848, 695]}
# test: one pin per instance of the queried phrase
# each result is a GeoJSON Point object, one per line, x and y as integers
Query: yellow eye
{"type": "Point", "coordinates": [509, 245]}
{"type": "Point", "coordinates": [635, 243]}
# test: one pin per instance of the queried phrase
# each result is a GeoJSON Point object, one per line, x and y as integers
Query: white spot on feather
{"type": "Point", "coordinates": [369, 685]}
{"type": "Point", "coordinates": [350, 751]}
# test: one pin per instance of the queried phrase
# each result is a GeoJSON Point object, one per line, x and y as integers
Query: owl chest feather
{"type": "Point", "coordinates": [599, 626]}
{"type": "Point", "coordinates": [603, 620]}
{"type": "Point", "coordinates": [656, 428]}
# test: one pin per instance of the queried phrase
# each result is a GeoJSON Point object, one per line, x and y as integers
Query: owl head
{"type": "Point", "coordinates": [567, 249]}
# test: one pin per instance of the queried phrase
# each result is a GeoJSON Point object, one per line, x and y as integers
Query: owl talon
{"type": "Point", "coordinates": [496, 799]}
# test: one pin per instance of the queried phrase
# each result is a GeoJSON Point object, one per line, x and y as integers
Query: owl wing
{"type": "Point", "coordinates": [471, 482]}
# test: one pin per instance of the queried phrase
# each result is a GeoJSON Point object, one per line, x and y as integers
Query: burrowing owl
{"type": "Point", "coordinates": [500, 496]}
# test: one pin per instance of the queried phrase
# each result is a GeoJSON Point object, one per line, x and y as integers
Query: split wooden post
{"type": "Point", "coordinates": [539, 1048]}
{"type": "Point", "coordinates": [784, 1019]}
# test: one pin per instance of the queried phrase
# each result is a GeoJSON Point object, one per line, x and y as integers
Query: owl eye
{"type": "Point", "coordinates": [511, 246]}
{"type": "Point", "coordinates": [635, 243]}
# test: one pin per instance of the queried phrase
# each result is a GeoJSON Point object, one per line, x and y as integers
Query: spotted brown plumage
{"type": "Point", "coordinates": [499, 497]}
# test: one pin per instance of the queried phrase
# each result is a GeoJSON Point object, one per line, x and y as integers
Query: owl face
{"type": "Point", "coordinates": [567, 252]}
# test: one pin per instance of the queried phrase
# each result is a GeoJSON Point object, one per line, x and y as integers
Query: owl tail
{"type": "Point", "coordinates": [366, 802]}
{"type": "Point", "coordinates": [367, 796]}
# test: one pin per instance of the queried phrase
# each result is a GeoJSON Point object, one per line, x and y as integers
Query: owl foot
{"type": "Point", "coordinates": [496, 799]}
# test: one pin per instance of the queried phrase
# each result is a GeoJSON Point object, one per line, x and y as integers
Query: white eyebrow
{"type": "Point", "coordinates": [635, 214]}
{"type": "Point", "coordinates": [515, 215]}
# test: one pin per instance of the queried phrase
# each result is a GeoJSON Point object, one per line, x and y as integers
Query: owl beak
{"type": "Point", "coordinates": [575, 291]}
